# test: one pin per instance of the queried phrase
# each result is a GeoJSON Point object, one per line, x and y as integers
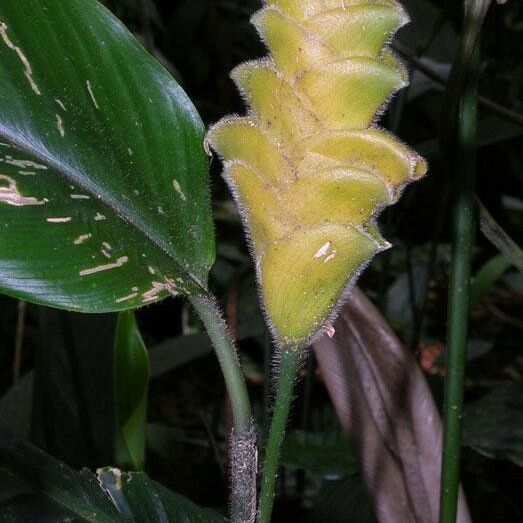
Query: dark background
{"type": "Point", "coordinates": [66, 359]}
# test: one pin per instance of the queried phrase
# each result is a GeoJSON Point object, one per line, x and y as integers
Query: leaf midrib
{"type": "Point", "coordinates": [74, 175]}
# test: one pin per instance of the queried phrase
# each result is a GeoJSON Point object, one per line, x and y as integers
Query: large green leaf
{"type": "Point", "coordinates": [27, 472]}
{"type": "Point", "coordinates": [36, 487]}
{"type": "Point", "coordinates": [104, 199]}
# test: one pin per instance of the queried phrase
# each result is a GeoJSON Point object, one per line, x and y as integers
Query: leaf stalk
{"type": "Point", "coordinates": [288, 368]}
{"type": "Point", "coordinates": [243, 439]}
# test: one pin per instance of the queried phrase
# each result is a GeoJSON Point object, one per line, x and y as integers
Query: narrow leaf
{"type": "Point", "coordinates": [499, 238]}
{"type": "Point", "coordinates": [102, 169]}
{"type": "Point", "coordinates": [131, 378]}
{"type": "Point", "coordinates": [486, 276]}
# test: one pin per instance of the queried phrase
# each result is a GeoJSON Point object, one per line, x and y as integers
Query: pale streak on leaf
{"type": "Point", "coordinates": [158, 287]}
{"type": "Point", "coordinates": [28, 71]}
{"type": "Point", "coordinates": [60, 103]}
{"type": "Point", "coordinates": [60, 125]}
{"type": "Point", "coordinates": [120, 262]}
{"type": "Point", "coordinates": [126, 298]}
{"type": "Point", "coordinates": [65, 219]}
{"type": "Point", "coordinates": [80, 197]}
{"type": "Point", "coordinates": [91, 93]}
{"type": "Point", "coordinates": [82, 238]}
{"type": "Point", "coordinates": [24, 163]}
{"type": "Point", "coordinates": [178, 189]}
{"type": "Point", "coordinates": [12, 196]}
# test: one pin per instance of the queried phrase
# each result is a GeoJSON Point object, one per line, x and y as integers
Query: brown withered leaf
{"type": "Point", "coordinates": [384, 404]}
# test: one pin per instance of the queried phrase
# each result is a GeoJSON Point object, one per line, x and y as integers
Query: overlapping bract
{"type": "Point", "coordinates": [308, 167]}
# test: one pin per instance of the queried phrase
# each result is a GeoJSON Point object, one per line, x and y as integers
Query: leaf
{"type": "Point", "coordinates": [486, 276]}
{"type": "Point", "coordinates": [148, 502]}
{"type": "Point", "coordinates": [399, 300]}
{"type": "Point", "coordinates": [499, 238]}
{"type": "Point", "coordinates": [131, 380]}
{"type": "Point", "coordinates": [104, 199]}
{"type": "Point", "coordinates": [29, 472]}
{"type": "Point", "coordinates": [16, 406]}
{"type": "Point", "coordinates": [73, 402]}
{"type": "Point", "coordinates": [308, 168]}
{"type": "Point", "coordinates": [384, 404]}
{"type": "Point", "coordinates": [319, 454]}
{"type": "Point", "coordinates": [494, 424]}
{"type": "Point", "coordinates": [491, 130]}
{"type": "Point", "coordinates": [342, 501]}
{"type": "Point", "coordinates": [34, 482]}
{"type": "Point", "coordinates": [175, 352]}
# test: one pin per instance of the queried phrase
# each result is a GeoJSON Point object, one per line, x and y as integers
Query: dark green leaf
{"type": "Point", "coordinates": [494, 424]}
{"type": "Point", "coordinates": [148, 502]}
{"type": "Point", "coordinates": [486, 276]}
{"type": "Point", "coordinates": [491, 130]}
{"type": "Point", "coordinates": [342, 501]}
{"type": "Point", "coordinates": [175, 352]}
{"type": "Point", "coordinates": [32, 482]}
{"type": "Point", "coordinates": [27, 471]}
{"type": "Point", "coordinates": [131, 378]}
{"type": "Point", "coordinates": [16, 406]}
{"type": "Point", "coordinates": [320, 454]}
{"type": "Point", "coordinates": [104, 199]}
{"type": "Point", "coordinates": [73, 413]}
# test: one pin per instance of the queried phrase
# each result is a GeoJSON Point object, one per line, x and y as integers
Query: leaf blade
{"type": "Point", "coordinates": [116, 150]}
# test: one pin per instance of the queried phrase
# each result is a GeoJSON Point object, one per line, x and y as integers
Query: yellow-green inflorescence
{"type": "Point", "coordinates": [308, 166]}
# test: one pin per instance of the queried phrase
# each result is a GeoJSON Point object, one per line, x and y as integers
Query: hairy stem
{"type": "Point", "coordinates": [288, 368]}
{"type": "Point", "coordinates": [243, 454]}
{"type": "Point", "coordinates": [209, 312]}
{"type": "Point", "coordinates": [463, 158]}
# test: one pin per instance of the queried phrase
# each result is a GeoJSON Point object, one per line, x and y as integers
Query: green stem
{"type": "Point", "coordinates": [211, 316]}
{"type": "Point", "coordinates": [242, 442]}
{"type": "Point", "coordinates": [463, 157]}
{"type": "Point", "coordinates": [288, 369]}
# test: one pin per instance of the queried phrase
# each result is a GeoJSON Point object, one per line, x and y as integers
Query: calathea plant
{"type": "Point", "coordinates": [104, 204]}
